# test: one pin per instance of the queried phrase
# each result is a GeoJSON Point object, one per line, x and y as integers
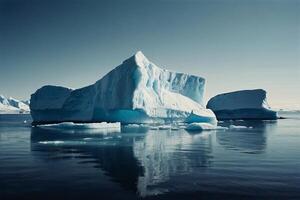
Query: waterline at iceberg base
{"type": "Point", "coordinates": [137, 91]}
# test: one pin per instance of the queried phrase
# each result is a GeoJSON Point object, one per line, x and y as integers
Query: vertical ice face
{"type": "Point", "coordinates": [136, 91]}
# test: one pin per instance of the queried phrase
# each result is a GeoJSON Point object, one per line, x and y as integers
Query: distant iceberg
{"type": "Point", "coordinates": [12, 106]}
{"type": "Point", "coordinates": [137, 91]}
{"type": "Point", "coordinates": [244, 104]}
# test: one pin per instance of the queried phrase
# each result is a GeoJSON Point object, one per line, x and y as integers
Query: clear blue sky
{"type": "Point", "coordinates": [233, 44]}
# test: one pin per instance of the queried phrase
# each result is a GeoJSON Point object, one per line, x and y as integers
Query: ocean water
{"type": "Point", "coordinates": [261, 162]}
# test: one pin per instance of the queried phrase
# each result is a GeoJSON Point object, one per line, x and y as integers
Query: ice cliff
{"type": "Point", "coordinates": [137, 91]}
{"type": "Point", "coordinates": [244, 104]}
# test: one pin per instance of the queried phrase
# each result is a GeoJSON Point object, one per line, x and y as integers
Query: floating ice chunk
{"type": "Point", "coordinates": [51, 142]}
{"type": "Point", "coordinates": [136, 126]}
{"type": "Point", "coordinates": [182, 126]}
{"type": "Point", "coordinates": [132, 126]}
{"type": "Point", "coordinates": [203, 127]}
{"type": "Point", "coordinates": [239, 127]}
{"type": "Point", "coordinates": [72, 125]}
{"type": "Point", "coordinates": [165, 127]}
{"type": "Point", "coordinates": [154, 128]}
{"type": "Point", "coordinates": [200, 126]}
{"type": "Point", "coordinates": [84, 128]}
{"type": "Point", "coordinates": [108, 138]}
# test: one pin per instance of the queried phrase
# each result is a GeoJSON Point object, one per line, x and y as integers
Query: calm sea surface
{"type": "Point", "coordinates": [262, 162]}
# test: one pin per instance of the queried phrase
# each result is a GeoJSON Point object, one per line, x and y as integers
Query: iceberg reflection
{"type": "Point", "coordinates": [251, 140]}
{"type": "Point", "coordinates": [165, 155]}
{"type": "Point", "coordinates": [145, 163]}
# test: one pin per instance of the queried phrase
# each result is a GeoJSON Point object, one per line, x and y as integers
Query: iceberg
{"type": "Point", "coordinates": [137, 91]}
{"type": "Point", "coordinates": [244, 104]}
{"type": "Point", "coordinates": [12, 106]}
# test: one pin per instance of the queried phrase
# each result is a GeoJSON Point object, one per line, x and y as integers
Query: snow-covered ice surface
{"type": "Point", "coordinates": [137, 91]}
{"type": "Point", "coordinates": [244, 104]}
{"type": "Point", "coordinates": [12, 106]}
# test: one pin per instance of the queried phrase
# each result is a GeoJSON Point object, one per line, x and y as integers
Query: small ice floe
{"type": "Point", "coordinates": [204, 127]}
{"type": "Point", "coordinates": [200, 127]}
{"type": "Point", "coordinates": [90, 128]}
{"type": "Point", "coordinates": [101, 125]}
{"type": "Point", "coordinates": [108, 138]}
{"type": "Point", "coordinates": [154, 128]}
{"type": "Point", "coordinates": [51, 142]}
{"type": "Point", "coordinates": [165, 127]}
{"type": "Point", "coordinates": [234, 127]}
{"type": "Point", "coordinates": [136, 126]}
{"type": "Point", "coordinates": [132, 126]}
{"type": "Point", "coordinates": [182, 126]}
{"type": "Point", "coordinates": [25, 121]}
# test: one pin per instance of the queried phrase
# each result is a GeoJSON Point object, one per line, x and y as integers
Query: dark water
{"type": "Point", "coordinates": [258, 163]}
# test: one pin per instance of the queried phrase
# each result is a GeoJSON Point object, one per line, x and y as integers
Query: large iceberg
{"type": "Point", "coordinates": [244, 104]}
{"type": "Point", "coordinates": [137, 91]}
{"type": "Point", "coordinates": [12, 106]}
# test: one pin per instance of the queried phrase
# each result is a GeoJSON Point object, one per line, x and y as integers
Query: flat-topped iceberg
{"type": "Point", "coordinates": [244, 104]}
{"type": "Point", "coordinates": [137, 91]}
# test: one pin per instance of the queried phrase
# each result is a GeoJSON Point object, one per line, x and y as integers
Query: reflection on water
{"type": "Point", "coordinates": [167, 154]}
{"type": "Point", "coordinates": [139, 162]}
{"type": "Point", "coordinates": [109, 152]}
{"type": "Point", "coordinates": [251, 140]}
{"type": "Point", "coordinates": [164, 162]}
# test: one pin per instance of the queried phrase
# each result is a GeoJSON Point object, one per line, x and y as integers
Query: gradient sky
{"type": "Point", "coordinates": [233, 44]}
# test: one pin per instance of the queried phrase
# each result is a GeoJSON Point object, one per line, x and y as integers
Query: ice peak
{"type": "Point", "coordinates": [139, 55]}
{"type": "Point", "coordinates": [139, 59]}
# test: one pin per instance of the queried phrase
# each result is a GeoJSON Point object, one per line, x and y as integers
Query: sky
{"type": "Point", "coordinates": [233, 44]}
